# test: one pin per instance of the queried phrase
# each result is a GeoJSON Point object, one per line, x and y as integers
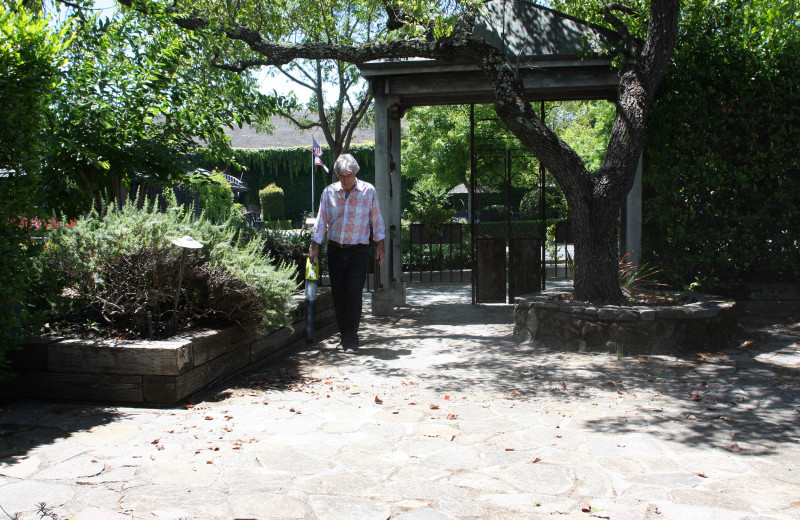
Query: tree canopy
{"type": "Point", "coordinates": [443, 30]}
{"type": "Point", "coordinates": [721, 172]}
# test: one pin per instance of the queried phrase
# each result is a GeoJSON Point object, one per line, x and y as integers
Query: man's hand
{"type": "Point", "coordinates": [380, 252]}
{"type": "Point", "coordinates": [313, 254]}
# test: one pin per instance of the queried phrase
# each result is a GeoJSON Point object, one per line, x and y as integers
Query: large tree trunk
{"type": "Point", "coordinates": [594, 228]}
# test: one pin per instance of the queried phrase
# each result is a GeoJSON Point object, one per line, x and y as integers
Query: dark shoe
{"type": "Point", "coordinates": [351, 350]}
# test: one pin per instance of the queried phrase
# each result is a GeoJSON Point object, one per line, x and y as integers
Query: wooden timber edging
{"type": "Point", "coordinates": [150, 372]}
{"type": "Point", "coordinates": [705, 324]}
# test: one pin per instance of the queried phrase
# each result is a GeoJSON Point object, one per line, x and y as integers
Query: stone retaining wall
{"type": "Point", "coordinates": [706, 323]}
{"type": "Point", "coordinates": [152, 372]}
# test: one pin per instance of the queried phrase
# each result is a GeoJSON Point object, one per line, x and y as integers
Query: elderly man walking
{"type": "Point", "coordinates": [347, 210]}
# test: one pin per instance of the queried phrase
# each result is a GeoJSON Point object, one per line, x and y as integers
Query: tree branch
{"type": "Point", "coordinates": [631, 43]}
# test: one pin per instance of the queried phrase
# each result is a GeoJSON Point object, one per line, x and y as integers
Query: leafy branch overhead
{"type": "Point", "coordinates": [444, 31]}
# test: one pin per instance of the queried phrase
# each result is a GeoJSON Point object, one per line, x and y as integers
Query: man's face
{"type": "Point", "coordinates": [348, 180]}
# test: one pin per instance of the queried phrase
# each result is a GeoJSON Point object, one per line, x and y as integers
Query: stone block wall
{"type": "Point", "coordinates": [151, 372]}
{"type": "Point", "coordinates": [705, 324]}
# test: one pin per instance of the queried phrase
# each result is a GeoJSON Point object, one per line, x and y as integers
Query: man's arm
{"type": "Point", "coordinates": [380, 252]}
{"type": "Point", "coordinates": [313, 253]}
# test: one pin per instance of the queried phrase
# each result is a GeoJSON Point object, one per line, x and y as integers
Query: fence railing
{"type": "Point", "coordinates": [446, 254]}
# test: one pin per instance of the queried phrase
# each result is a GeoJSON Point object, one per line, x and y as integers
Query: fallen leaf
{"type": "Point", "coordinates": [155, 441]}
{"type": "Point", "coordinates": [378, 400]}
{"type": "Point", "coordinates": [702, 475]}
{"type": "Point", "coordinates": [434, 407]}
{"type": "Point", "coordinates": [733, 447]}
{"type": "Point", "coordinates": [509, 449]}
{"type": "Point", "coordinates": [214, 448]}
{"type": "Point", "coordinates": [451, 416]}
{"type": "Point", "coordinates": [228, 428]}
{"type": "Point", "coordinates": [411, 403]}
{"type": "Point", "coordinates": [586, 508]}
{"type": "Point", "coordinates": [447, 397]}
{"type": "Point", "coordinates": [534, 461]}
{"type": "Point", "coordinates": [208, 418]}
{"type": "Point", "coordinates": [189, 406]}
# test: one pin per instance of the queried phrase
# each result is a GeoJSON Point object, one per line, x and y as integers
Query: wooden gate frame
{"type": "Point", "coordinates": [512, 250]}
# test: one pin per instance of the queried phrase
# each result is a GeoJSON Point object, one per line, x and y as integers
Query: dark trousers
{"type": "Point", "coordinates": [347, 267]}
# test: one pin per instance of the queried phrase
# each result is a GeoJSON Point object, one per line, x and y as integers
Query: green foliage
{"type": "Point", "coordinates": [212, 193]}
{"type": "Point", "coordinates": [586, 127]}
{"type": "Point", "coordinates": [136, 98]}
{"type": "Point", "coordinates": [437, 141]}
{"type": "Point", "coordinates": [430, 206]}
{"type": "Point", "coordinates": [291, 169]}
{"type": "Point", "coordinates": [271, 199]}
{"type": "Point", "coordinates": [278, 224]}
{"type": "Point", "coordinates": [30, 56]}
{"type": "Point", "coordinates": [120, 268]}
{"type": "Point", "coordinates": [721, 183]}
{"type": "Point", "coordinates": [29, 59]}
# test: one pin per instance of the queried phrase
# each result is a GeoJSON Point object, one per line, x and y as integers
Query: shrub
{"type": "Point", "coordinates": [271, 198]}
{"type": "Point", "coordinates": [212, 194]}
{"type": "Point", "coordinates": [29, 59]}
{"type": "Point", "coordinates": [430, 206]}
{"type": "Point", "coordinates": [121, 269]}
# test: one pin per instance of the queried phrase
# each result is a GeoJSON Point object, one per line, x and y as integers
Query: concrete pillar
{"type": "Point", "coordinates": [633, 218]}
{"type": "Point", "coordinates": [383, 301]}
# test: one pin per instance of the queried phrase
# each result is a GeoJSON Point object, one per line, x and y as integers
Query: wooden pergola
{"type": "Point", "coordinates": [559, 58]}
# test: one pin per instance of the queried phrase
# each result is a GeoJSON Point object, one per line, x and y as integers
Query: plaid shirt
{"type": "Point", "coordinates": [348, 219]}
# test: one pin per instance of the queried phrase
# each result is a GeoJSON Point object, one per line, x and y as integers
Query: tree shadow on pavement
{"type": "Point", "coordinates": [26, 424]}
{"type": "Point", "coordinates": [743, 399]}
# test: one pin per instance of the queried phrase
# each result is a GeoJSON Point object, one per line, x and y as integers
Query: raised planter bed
{"type": "Point", "coordinates": [152, 372]}
{"type": "Point", "coordinates": [705, 323]}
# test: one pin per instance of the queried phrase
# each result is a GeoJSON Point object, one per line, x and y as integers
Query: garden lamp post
{"type": "Point", "coordinates": [185, 243]}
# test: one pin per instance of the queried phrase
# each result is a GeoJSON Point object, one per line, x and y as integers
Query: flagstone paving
{"type": "Point", "coordinates": [442, 415]}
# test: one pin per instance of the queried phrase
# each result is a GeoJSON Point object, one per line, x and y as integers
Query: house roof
{"type": "Point", "coordinates": [286, 134]}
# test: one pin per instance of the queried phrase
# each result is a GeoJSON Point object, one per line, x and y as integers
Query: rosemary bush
{"type": "Point", "coordinates": [120, 269]}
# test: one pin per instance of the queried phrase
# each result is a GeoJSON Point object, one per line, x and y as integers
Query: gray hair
{"type": "Point", "coordinates": [345, 163]}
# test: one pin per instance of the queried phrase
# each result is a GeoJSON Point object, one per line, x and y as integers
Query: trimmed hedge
{"type": "Point", "coordinates": [271, 199]}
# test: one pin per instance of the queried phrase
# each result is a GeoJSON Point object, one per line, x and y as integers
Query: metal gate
{"type": "Point", "coordinates": [508, 243]}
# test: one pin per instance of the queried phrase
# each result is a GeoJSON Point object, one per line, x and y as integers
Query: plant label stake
{"type": "Point", "coordinates": [312, 277]}
{"type": "Point", "coordinates": [184, 243]}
